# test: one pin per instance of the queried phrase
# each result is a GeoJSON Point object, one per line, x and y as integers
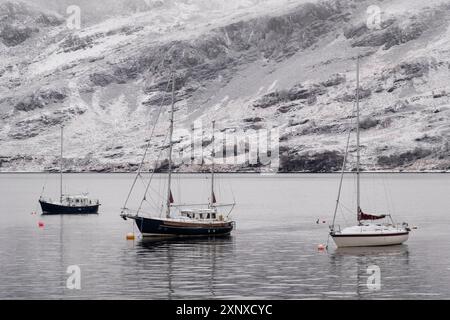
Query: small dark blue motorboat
{"type": "Point", "coordinates": [68, 204]}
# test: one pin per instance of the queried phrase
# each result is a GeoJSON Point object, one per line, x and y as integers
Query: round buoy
{"type": "Point", "coordinates": [130, 236]}
{"type": "Point", "coordinates": [40, 224]}
{"type": "Point", "coordinates": [321, 247]}
{"type": "Point", "coordinates": [324, 221]}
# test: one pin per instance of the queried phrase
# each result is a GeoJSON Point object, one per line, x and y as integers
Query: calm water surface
{"type": "Point", "coordinates": [272, 253]}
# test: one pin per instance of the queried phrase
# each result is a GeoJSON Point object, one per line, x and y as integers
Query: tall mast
{"type": "Point", "coordinates": [61, 167]}
{"type": "Point", "coordinates": [358, 189]}
{"type": "Point", "coordinates": [213, 154]}
{"type": "Point", "coordinates": [169, 192]}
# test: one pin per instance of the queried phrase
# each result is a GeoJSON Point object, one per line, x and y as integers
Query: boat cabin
{"type": "Point", "coordinates": [78, 201]}
{"type": "Point", "coordinates": [200, 214]}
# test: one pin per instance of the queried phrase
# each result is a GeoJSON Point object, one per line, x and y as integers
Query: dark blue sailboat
{"type": "Point", "coordinates": [189, 222]}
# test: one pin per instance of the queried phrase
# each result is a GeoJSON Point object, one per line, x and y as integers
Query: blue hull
{"type": "Point", "coordinates": [157, 227]}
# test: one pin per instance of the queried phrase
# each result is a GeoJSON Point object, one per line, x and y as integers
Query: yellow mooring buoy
{"type": "Point", "coordinates": [130, 236]}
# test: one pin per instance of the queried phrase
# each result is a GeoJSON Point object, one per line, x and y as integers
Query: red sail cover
{"type": "Point", "coordinates": [366, 216]}
{"type": "Point", "coordinates": [171, 197]}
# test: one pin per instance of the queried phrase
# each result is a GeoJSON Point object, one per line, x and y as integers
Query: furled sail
{"type": "Point", "coordinates": [366, 216]}
{"type": "Point", "coordinates": [171, 197]}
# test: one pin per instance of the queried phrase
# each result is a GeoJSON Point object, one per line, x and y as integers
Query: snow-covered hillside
{"type": "Point", "coordinates": [255, 64]}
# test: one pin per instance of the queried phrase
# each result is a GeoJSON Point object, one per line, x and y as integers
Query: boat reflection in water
{"type": "Point", "coordinates": [188, 267]}
{"type": "Point", "coordinates": [384, 251]}
{"type": "Point", "coordinates": [369, 272]}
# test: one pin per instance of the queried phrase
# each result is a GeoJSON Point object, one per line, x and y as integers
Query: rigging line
{"type": "Point", "coordinates": [148, 145]}
{"type": "Point", "coordinates": [232, 193]}
{"type": "Point", "coordinates": [387, 195]}
{"type": "Point", "coordinates": [151, 176]}
{"type": "Point", "coordinates": [142, 180]}
{"type": "Point", "coordinates": [344, 207]}
{"type": "Point", "coordinates": [348, 211]}
{"type": "Point", "coordinates": [154, 202]}
{"type": "Point", "coordinates": [158, 193]}
{"type": "Point", "coordinates": [201, 204]}
{"type": "Point", "coordinates": [328, 240]}
{"type": "Point", "coordinates": [151, 204]}
{"type": "Point", "coordinates": [231, 209]}
{"type": "Point", "coordinates": [45, 184]}
{"type": "Point", "coordinates": [390, 196]}
{"type": "Point", "coordinates": [342, 174]}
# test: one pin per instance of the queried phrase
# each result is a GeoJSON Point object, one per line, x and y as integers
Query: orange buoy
{"type": "Point", "coordinates": [321, 247]}
{"type": "Point", "coordinates": [40, 224]}
{"type": "Point", "coordinates": [130, 236]}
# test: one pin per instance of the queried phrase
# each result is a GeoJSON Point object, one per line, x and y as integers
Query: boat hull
{"type": "Point", "coordinates": [369, 240]}
{"type": "Point", "coordinates": [150, 227]}
{"type": "Point", "coordinates": [52, 208]}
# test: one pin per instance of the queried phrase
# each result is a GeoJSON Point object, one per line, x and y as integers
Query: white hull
{"type": "Point", "coordinates": [369, 241]}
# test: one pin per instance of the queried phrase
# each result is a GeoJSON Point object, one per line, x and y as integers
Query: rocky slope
{"type": "Point", "coordinates": [267, 64]}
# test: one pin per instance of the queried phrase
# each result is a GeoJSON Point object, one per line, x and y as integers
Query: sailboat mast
{"type": "Point", "coordinates": [61, 167]}
{"type": "Point", "coordinates": [358, 156]}
{"type": "Point", "coordinates": [213, 154]}
{"type": "Point", "coordinates": [169, 192]}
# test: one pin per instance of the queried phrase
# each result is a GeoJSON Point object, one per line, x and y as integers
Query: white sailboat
{"type": "Point", "coordinates": [368, 232]}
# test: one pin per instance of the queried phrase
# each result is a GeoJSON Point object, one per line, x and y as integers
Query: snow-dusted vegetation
{"type": "Point", "coordinates": [249, 65]}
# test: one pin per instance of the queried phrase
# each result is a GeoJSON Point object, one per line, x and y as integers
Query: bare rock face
{"type": "Point", "coordinates": [368, 123]}
{"type": "Point", "coordinates": [291, 69]}
{"type": "Point", "coordinates": [335, 80]}
{"type": "Point", "coordinates": [18, 22]}
{"type": "Point", "coordinates": [101, 79]}
{"type": "Point", "coordinates": [350, 97]}
{"type": "Point", "coordinates": [12, 36]}
{"type": "Point", "coordinates": [326, 161]}
{"type": "Point", "coordinates": [298, 92]}
{"type": "Point", "coordinates": [40, 99]}
{"type": "Point", "coordinates": [404, 158]}
{"type": "Point", "coordinates": [74, 42]}
{"type": "Point", "coordinates": [395, 31]}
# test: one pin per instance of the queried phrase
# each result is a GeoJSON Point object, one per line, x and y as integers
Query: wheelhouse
{"type": "Point", "coordinates": [79, 201]}
{"type": "Point", "coordinates": [74, 201]}
{"type": "Point", "coordinates": [200, 214]}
